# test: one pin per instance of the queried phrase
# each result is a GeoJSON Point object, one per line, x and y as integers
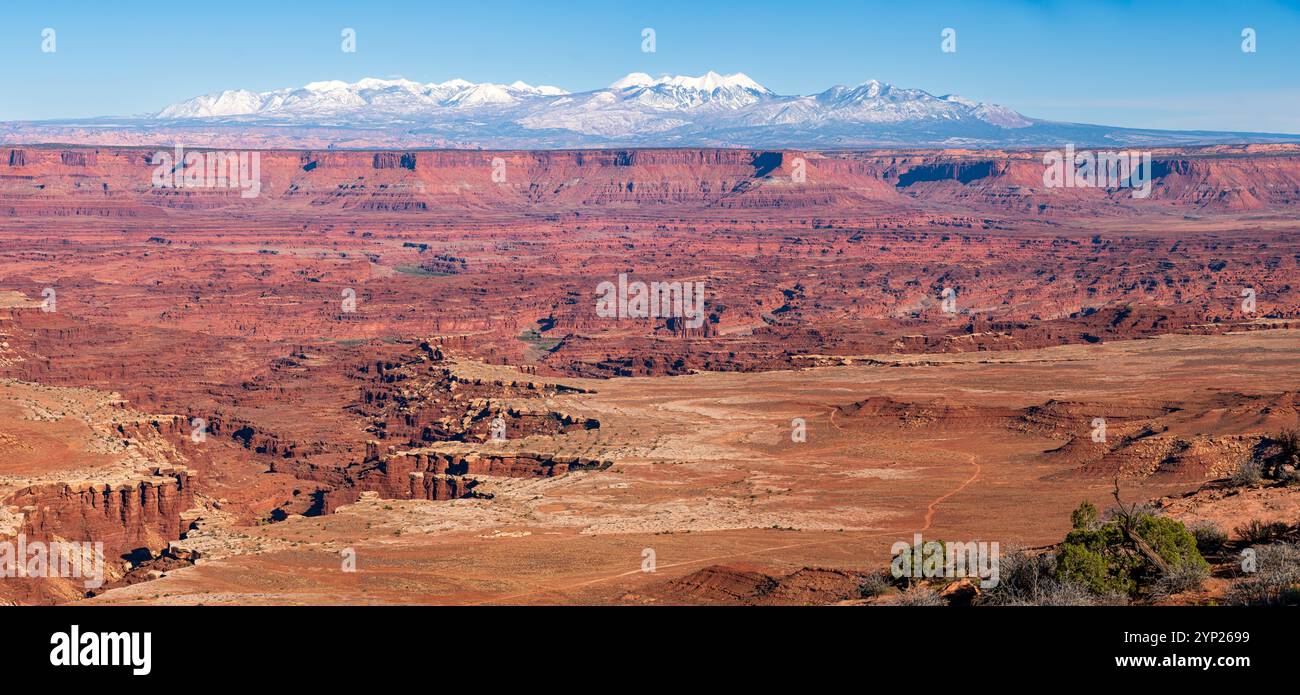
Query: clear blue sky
{"type": "Point", "coordinates": [1139, 64]}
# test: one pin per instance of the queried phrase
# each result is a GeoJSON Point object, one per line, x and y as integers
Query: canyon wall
{"type": "Point", "coordinates": [119, 181]}
{"type": "Point", "coordinates": [429, 474]}
{"type": "Point", "coordinates": [125, 516]}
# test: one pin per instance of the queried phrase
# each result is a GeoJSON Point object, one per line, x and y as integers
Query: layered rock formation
{"type": "Point", "coordinates": [120, 182]}
{"type": "Point", "coordinates": [372, 319]}
{"type": "Point", "coordinates": [125, 516]}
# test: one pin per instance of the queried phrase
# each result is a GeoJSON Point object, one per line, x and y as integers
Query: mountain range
{"type": "Point", "coordinates": [637, 110]}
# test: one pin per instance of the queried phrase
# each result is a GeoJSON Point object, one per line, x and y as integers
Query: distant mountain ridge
{"type": "Point", "coordinates": [663, 103]}
{"type": "Point", "coordinates": [638, 110]}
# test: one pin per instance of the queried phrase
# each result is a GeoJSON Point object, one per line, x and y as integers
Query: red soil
{"type": "Point", "coordinates": [198, 303]}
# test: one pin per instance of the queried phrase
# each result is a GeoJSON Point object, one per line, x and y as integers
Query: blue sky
{"type": "Point", "coordinates": [1139, 64]}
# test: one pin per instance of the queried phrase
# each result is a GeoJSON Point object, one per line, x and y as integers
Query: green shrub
{"type": "Point", "coordinates": [904, 561]}
{"type": "Point", "coordinates": [1171, 540]}
{"type": "Point", "coordinates": [1107, 560]}
{"type": "Point", "coordinates": [1085, 517]}
{"type": "Point", "coordinates": [1094, 558]}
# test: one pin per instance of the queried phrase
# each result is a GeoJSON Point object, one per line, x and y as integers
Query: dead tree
{"type": "Point", "coordinates": [1128, 521]}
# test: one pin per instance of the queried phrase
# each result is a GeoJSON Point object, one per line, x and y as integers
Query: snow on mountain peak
{"type": "Point", "coordinates": [637, 105]}
{"type": "Point", "coordinates": [711, 80]}
{"type": "Point", "coordinates": [394, 97]}
{"type": "Point", "coordinates": [481, 94]}
{"type": "Point", "coordinates": [546, 89]}
{"type": "Point", "coordinates": [634, 79]}
{"type": "Point", "coordinates": [376, 83]}
{"type": "Point", "coordinates": [232, 102]}
{"type": "Point", "coordinates": [874, 87]}
{"type": "Point", "coordinates": [677, 92]}
{"type": "Point", "coordinates": [326, 86]}
{"type": "Point", "coordinates": [707, 82]}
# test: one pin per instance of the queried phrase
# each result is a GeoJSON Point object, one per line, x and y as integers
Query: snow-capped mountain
{"type": "Point", "coordinates": [368, 98]}
{"type": "Point", "coordinates": [629, 109]}
{"type": "Point", "coordinates": [638, 110]}
{"type": "Point", "coordinates": [877, 102]}
{"type": "Point", "coordinates": [678, 93]}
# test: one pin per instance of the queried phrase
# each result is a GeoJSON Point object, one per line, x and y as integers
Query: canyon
{"type": "Point", "coordinates": [395, 356]}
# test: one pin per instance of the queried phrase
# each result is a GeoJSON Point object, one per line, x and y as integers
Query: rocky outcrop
{"type": "Point", "coordinates": [429, 474]}
{"type": "Point", "coordinates": [393, 160]}
{"type": "Point", "coordinates": [125, 516]}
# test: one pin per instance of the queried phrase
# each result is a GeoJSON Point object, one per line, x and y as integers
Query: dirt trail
{"type": "Point", "coordinates": [931, 508]}
{"type": "Point", "coordinates": [929, 517]}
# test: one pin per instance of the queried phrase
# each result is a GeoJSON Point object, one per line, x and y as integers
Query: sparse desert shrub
{"type": "Point", "coordinates": [1249, 474]}
{"type": "Point", "coordinates": [874, 585]}
{"type": "Point", "coordinates": [1029, 580]}
{"type": "Point", "coordinates": [1275, 580]}
{"type": "Point", "coordinates": [1187, 576]}
{"type": "Point", "coordinates": [1285, 463]}
{"type": "Point", "coordinates": [1277, 457]}
{"type": "Point", "coordinates": [1289, 440]}
{"type": "Point", "coordinates": [1129, 552]}
{"type": "Point", "coordinates": [919, 596]}
{"type": "Point", "coordinates": [1210, 539]}
{"type": "Point", "coordinates": [1069, 593]}
{"type": "Point", "coordinates": [1257, 532]}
